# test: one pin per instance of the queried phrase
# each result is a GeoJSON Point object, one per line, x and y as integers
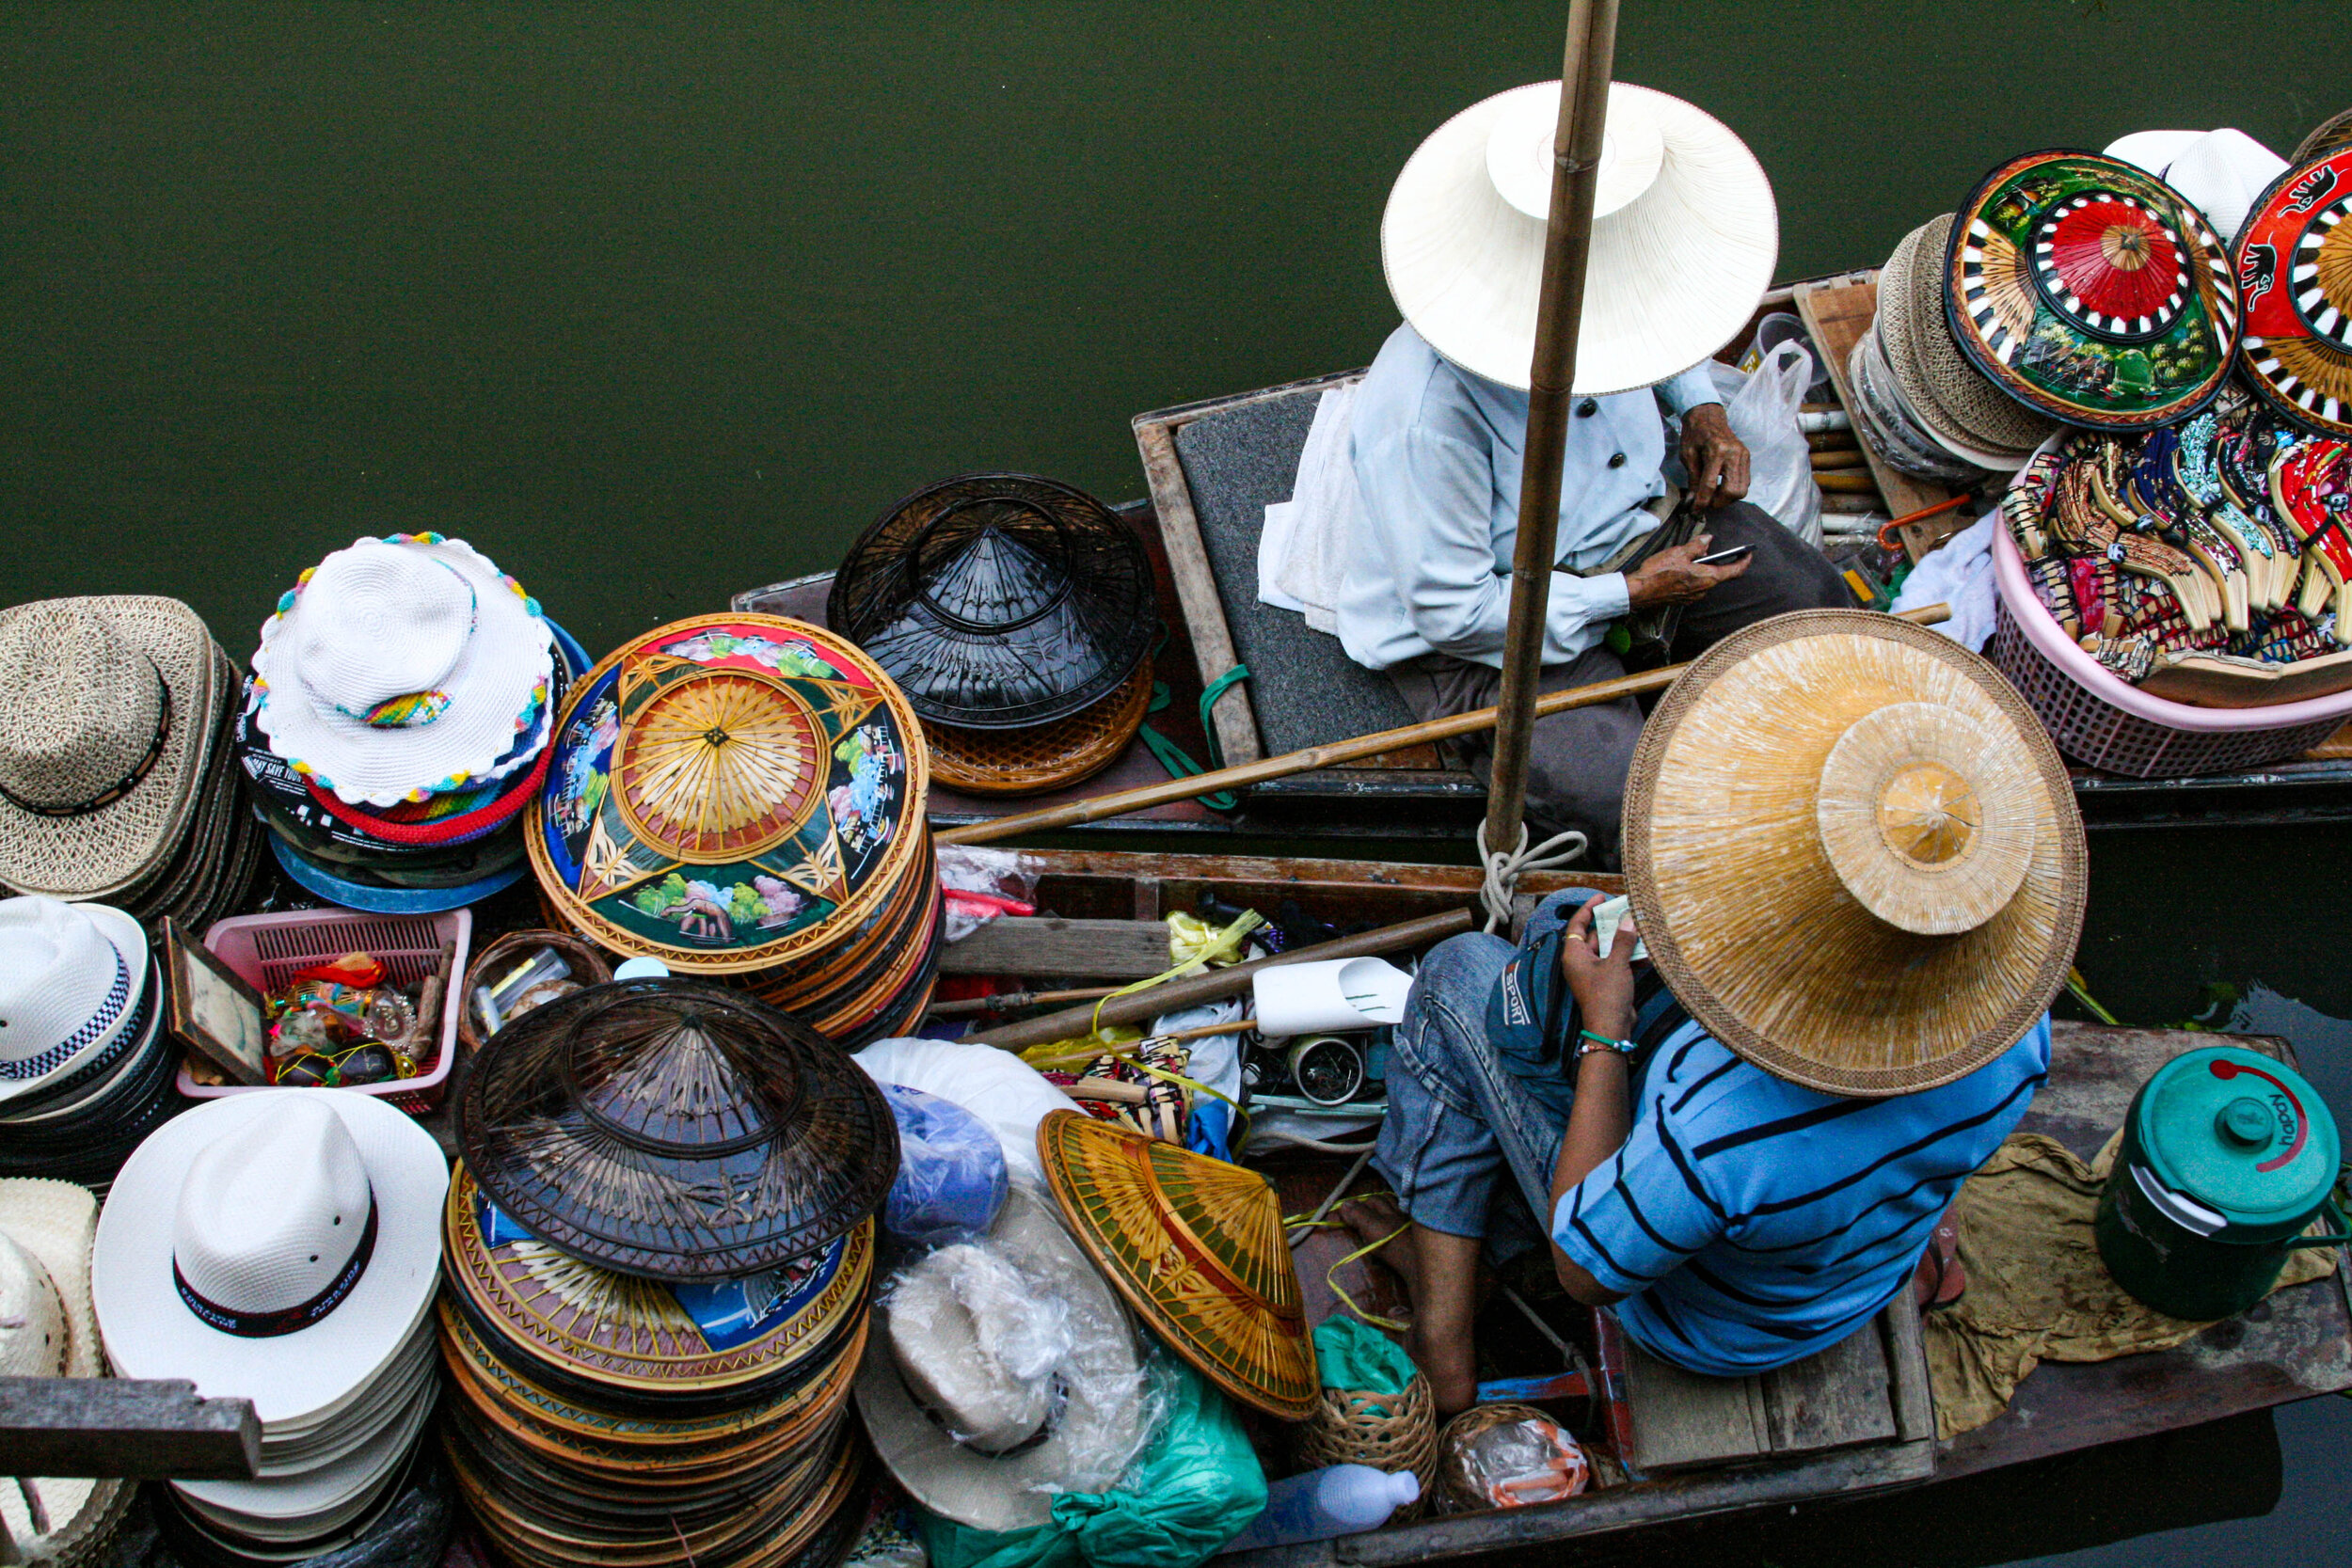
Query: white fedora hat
{"type": "Point", "coordinates": [280, 1247]}
{"type": "Point", "coordinates": [401, 667]}
{"type": "Point", "coordinates": [2224, 172]}
{"type": "Point", "coordinates": [1002, 1373]}
{"type": "Point", "coordinates": [48, 1329]}
{"type": "Point", "coordinates": [1685, 235]}
{"type": "Point", "coordinates": [73, 977]}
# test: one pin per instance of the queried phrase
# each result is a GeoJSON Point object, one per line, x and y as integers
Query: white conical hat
{"type": "Point", "coordinates": [1685, 235]}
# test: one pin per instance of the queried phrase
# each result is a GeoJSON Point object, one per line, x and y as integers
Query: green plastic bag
{"type": "Point", "coordinates": [1197, 1485]}
{"type": "Point", "coordinates": [1358, 1357]}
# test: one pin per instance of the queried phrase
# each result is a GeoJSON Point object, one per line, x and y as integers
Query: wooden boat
{"type": "Point", "coordinates": [1212, 467]}
{"type": "Point", "coordinates": [1855, 1420]}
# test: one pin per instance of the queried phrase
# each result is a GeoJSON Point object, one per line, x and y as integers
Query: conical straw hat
{"type": "Point", "coordinates": [1196, 1247]}
{"type": "Point", "coordinates": [1855, 854]}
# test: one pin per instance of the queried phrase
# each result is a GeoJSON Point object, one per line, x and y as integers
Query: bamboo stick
{"type": "Point", "coordinates": [1005, 1002]}
{"type": "Point", "coordinates": [1840, 457]}
{"type": "Point", "coordinates": [1855, 484]}
{"type": "Point", "coordinates": [1241, 775]}
{"type": "Point", "coordinates": [1173, 995]}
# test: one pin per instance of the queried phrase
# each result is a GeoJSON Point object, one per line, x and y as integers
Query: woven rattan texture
{"type": "Point", "coordinates": [1050, 756]}
{"type": "Point", "coordinates": [1388, 1432]}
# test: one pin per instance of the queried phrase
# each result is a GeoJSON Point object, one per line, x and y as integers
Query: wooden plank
{"type": "Point", "coordinates": [1836, 315]}
{"type": "Point", "coordinates": [1682, 1419]}
{"type": "Point", "coordinates": [1907, 1362]}
{"type": "Point", "coordinates": [136, 1429]}
{"type": "Point", "coordinates": [1832, 1401]}
{"type": "Point", "coordinates": [1235, 721]}
{"type": "Point", "coordinates": [1048, 945]}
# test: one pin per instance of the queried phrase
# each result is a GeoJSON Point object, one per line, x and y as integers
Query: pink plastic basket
{"type": "Point", "coordinates": [268, 950]}
{"type": "Point", "coordinates": [2101, 719]}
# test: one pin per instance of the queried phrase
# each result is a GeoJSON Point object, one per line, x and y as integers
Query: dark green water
{"type": "Point", "coordinates": [653, 303]}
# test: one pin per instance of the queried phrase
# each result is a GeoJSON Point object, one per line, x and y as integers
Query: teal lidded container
{"type": "Point", "coordinates": [2227, 1158]}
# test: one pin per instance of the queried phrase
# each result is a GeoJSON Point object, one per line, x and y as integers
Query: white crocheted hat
{"type": "Point", "coordinates": [71, 979]}
{"type": "Point", "coordinates": [401, 668]}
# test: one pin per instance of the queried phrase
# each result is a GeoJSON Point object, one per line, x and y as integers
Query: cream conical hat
{"type": "Point", "coordinates": [1685, 234]}
{"type": "Point", "coordinates": [1854, 852]}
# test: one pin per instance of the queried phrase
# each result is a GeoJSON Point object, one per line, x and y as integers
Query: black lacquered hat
{"type": "Point", "coordinates": [998, 601]}
{"type": "Point", "coordinates": [676, 1130]}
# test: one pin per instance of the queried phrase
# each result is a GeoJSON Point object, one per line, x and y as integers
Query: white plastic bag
{"type": "Point", "coordinates": [1762, 409]}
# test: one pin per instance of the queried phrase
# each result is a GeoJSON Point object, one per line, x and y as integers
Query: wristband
{"type": "Point", "coordinates": [1589, 1043]}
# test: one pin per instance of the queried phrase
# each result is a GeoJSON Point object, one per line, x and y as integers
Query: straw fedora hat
{"type": "Point", "coordinates": [1967, 414]}
{"type": "Point", "coordinates": [1002, 1373]}
{"type": "Point", "coordinates": [1685, 234]}
{"type": "Point", "coordinates": [280, 1247]}
{"type": "Point", "coordinates": [48, 1329]}
{"type": "Point", "coordinates": [402, 667]}
{"type": "Point", "coordinates": [1855, 854]}
{"type": "Point", "coordinates": [72, 976]}
{"type": "Point", "coordinates": [107, 715]}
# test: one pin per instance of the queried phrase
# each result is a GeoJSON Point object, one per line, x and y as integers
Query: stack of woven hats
{"type": "Point", "coordinates": [1018, 615]}
{"type": "Point", "coordinates": [116, 781]}
{"type": "Point", "coordinates": [86, 1062]}
{"type": "Point", "coordinates": [283, 1248]}
{"type": "Point", "coordinates": [741, 797]}
{"type": "Point", "coordinates": [397, 724]}
{"type": "Point", "coordinates": [660, 1247]}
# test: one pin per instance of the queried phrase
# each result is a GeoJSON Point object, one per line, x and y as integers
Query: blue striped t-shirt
{"type": "Point", "coordinates": [1751, 1222]}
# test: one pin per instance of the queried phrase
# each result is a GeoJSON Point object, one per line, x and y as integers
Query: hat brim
{"type": "Point", "coordinates": [313, 1372]}
{"type": "Point", "coordinates": [1672, 276]}
{"type": "Point", "coordinates": [294, 1508]}
{"type": "Point", "coordinates": [118, 847]}
{"type": "Point", "coordinates": [1016, 1491]}
{"type": "Point", "coordinates": [129, 939]}
{"type": "Point", "coordinates": [1749, 924]}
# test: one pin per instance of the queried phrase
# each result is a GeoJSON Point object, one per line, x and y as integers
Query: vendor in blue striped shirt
{"type": "Point", "coordinates": [1745, 1188]}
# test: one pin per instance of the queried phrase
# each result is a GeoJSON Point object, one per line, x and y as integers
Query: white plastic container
{"type": "Point", "coordinates": [1338, 1499]}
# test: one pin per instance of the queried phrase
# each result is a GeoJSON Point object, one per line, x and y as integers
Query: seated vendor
{"type": "Point", "coordinates": [1440, 424]}
{"type": "Point", "coordinates": [1743, 1168]}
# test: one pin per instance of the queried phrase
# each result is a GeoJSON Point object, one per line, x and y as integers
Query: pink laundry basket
{"type": "Point", "coordinates": [2101, 719]}
{"type": "Point", "coordinates": [268, 950]}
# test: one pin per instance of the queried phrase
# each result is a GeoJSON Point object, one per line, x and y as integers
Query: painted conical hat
{"type": "Point", "coordinates": [1196, 1247]}
{"type": "Point", "coordinates": [1854, 852]}
{"type": "Point", "coordinates": [2295, 273]}
{"type": "Point", "coordinates": [730, 793]}
{"type": "Point", "coordinates": [2091, 291]}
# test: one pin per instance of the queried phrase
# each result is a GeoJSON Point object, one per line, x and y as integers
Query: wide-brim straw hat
{"type": "Point", "coordinates": [108, 714]}
{"type": "Point", "coordinates": [1889, 425]}
{"type": "Point", "coordinates": [1967, 414]}
{"type": "Point", "coordinates": [1090, 1433]}
{"type": "Point", "coordinates": [2292, 259]}
{"type": "Point", "coordinates": [402, 667]}
{"type": "Point", "coordinates": [1855, 854]}
{"type": "Point", "coordinates": [1197, 1247]}
{"type": "Point", "coordinates": [306, 1374]}
{"type": "Point", "coordinates": [1685, 235]}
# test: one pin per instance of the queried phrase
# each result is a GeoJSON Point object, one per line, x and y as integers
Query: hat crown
{"type": "Point", "coordinates": [270, 1215]}
{"type": "Point", "coordinates": [79, 706]}
{"type": "Point", "coordinates": [380, 623]}
{"type": "Point", "coordinates": [59, 976]}
{"type": "Point", "coordinates": [33, 1338]}
{"type": "Point", "coordinates": [1519, 151]}
{"type": "Point", "coordinates": [978, 1341]}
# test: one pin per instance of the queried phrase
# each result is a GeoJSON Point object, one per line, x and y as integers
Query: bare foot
{"type": "Point", "coordinates": [1375, 1218]}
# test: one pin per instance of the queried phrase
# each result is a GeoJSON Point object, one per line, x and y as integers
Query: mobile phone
{"type": "Point", "coordinates": [1724, 558]}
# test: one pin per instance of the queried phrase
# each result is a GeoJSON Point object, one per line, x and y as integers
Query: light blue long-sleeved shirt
{"type": "Point", "coordinates": [1436, 452]}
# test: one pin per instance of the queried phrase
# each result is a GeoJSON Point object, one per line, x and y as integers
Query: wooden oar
{"type": "Point", "coordinates": [1146, 796]}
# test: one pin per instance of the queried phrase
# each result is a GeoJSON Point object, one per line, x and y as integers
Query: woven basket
{"type": "Point", "coordinates": [589, 967]}
{"type": "Point", "coordinates": [1047, 756]}
{"type": "Point", "coordinates": [1458, 1491]}
{"type": "Point", "coordinates": [1388, 1432]}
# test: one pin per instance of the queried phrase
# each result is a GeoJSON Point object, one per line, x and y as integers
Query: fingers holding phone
{"type": "Point", "coordinates": [1685, 573]}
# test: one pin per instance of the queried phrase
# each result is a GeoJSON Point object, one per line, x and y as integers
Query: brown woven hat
{"type": "Point", "coordinates": [1854, 852]}
{"type": "Point", "coordinates": [108, 712]}
{"type": "Point", "coordinates": [1965, 411]}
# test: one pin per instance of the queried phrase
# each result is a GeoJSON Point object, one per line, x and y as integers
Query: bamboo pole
{"type": "Point", "coordinates": [1242, 775]}
{"type": "Point", "coordinates": [1590, 59]}
{"type": "Point", "coordinates": [1174, 996]}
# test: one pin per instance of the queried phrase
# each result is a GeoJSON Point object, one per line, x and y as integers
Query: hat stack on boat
{"type": "Point", "coordinates": [741, 797]}
{"type": "Point", "coordinates": [661, 1245]}
{"type": "Point", "coordinates": [117, 779]}
{"type": "Point", "coordinates": [283, 1248]}
{"type": "Point", "coordinates": [398, 722]}
{"type": "Point", "coordinates": [1018, 615]}
{"type": "Point", "coordinates": [86, 1062]}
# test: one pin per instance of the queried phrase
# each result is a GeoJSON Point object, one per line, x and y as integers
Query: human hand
{"type": "Point", "coordinates": [1602, 983]}
{"type": "Point", "coordinates": [1716, 460]}
{"type": "Point", "coordinates": [1675, 576]}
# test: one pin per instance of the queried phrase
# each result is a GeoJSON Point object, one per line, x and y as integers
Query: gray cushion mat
{"type": "Point", "coordinates": [1306, 689]}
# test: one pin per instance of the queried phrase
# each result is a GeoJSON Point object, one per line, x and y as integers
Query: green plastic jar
{"type": "Point", "coordinates": [2227, 1158]}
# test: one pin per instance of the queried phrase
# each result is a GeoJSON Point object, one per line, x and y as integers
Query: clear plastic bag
{"type": "Point", "coordinates": [983, 885]}
{"type": "Point", "coordinates": [951, 1171]}
{"type": "Point", "coordinates": [1762, 410]}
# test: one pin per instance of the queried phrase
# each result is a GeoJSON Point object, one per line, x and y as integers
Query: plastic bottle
{"type": "Point", "coordinates": [1339, 1499]}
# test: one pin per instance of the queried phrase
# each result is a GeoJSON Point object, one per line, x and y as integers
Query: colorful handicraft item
{"type": "Point", "coordinates": [2091, 291]}
{"type": "Point", "coordinates": [731, 792]}
{"type": "Point", "coordinates": [2295, 274]}
{"type": "Point", "coordinates": [2310, 488]}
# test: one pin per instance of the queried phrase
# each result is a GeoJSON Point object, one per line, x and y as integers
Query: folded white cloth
{"type": "Point", "coordinates": [1302, 551]}
{"type": "Point", "coordinates": [1959, 573]}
